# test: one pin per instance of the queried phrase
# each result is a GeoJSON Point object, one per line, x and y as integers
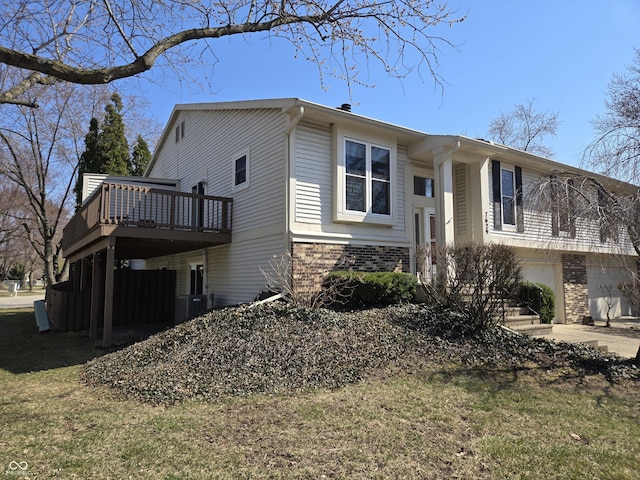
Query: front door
{"type": "Point", "coordinates": [424, 241]}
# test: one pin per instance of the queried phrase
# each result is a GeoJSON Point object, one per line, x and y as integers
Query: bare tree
{"type": "Point", "coordinates": [280, 279]}
{"type": "Point", "coordinates": [99, 41]}
{"type": "Point", "coordinates": [525, 128]}
{"type": "Point", "coordinates": [10, 225]}
{"type": "Point", "coordinates": [39, 151]}
{"type": "Point", "coordinates": [616, 149]}
{"type": "Point", "coordinates": [611, 205]}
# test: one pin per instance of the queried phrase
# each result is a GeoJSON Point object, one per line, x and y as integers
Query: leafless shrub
{"type": "Point", "coordinates": [631, 291]}
{"type": "Point", "coordinates": [423, 262]}
{"type": "Point", "coordinates": [476, 281]}
{"type": "Point", "coordinates": [279, 279]}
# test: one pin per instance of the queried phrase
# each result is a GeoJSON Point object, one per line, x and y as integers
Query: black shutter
{"type": "Point", "coordinates": [519, 207]}
{"type": "Point", "coordinates": [497, 198]}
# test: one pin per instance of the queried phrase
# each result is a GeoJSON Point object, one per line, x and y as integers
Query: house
{"type": "Point", "coordinates": [242, 182]}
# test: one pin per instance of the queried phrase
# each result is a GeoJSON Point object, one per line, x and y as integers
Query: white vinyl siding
{"type": "Point", "coordinates": [234, 269]}
{"type": "Point", "coordinates": [313, 173]}
{"type": "Point", "coordinates": [537, 227]}
{"type": "Point", "coordinates": [214, 138]}
{"type": "Point", "coordinates": [401, 189]}
{"type": "Point", "coordinates": [460, 198]}
{"type": "Point", "coordinates": [205, 153]}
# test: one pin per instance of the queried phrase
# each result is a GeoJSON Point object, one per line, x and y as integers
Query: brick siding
{"type": "Point", "coordinates": [576, 293]}
{"type": "Point", "coordinates": [312, 261]}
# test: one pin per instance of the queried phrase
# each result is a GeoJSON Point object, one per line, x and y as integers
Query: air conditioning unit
{"type": "Point", "coordinates": [189, 306]}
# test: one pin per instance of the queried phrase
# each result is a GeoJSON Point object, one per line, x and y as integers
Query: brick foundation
{"type": "Point", "coordinates": [312, 261]}
{"type": "Point", "coordinates": [576, 293]}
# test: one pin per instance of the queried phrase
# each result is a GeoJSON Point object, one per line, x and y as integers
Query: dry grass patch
{"type": "Point", "coordinates": [433, 420]}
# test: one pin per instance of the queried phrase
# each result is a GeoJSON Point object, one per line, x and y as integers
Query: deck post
{"type": "Point", "coordinates": [225, 216]}
{"type": "Point", "coordinates": [108, 292]}
{"type": "Point", "coordinates": [96, 289]}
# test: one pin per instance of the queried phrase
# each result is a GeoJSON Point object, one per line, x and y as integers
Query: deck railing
{"type": "Point", "coordinates": [139, 206]}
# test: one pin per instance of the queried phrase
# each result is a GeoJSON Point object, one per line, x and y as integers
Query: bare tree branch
{"type": "Point", "coordinates": [97, 41]}
{"type": "Point", "coordinates": [616, 149]}
{"type": "Point", "coordinates": [525, 128]}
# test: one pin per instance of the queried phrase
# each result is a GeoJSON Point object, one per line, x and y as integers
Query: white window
{"type": "Point", "coordinates": [180, 131]}
{"type": "Point", "coordinates": [241, 168]}
{"type": "Point", "coordinates": [365, 183]}
{"type": "Point", "coordinates": [562, 211]}
{"type": "Point", "coordinates": [422, 186]}
{"type": "Point", "coordinates": [508, 212]}
{"type": "Point", "coordinates": [508, 191]}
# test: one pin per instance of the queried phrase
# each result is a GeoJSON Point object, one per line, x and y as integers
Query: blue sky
{"type": "Point", "coordinates": [562, 52]}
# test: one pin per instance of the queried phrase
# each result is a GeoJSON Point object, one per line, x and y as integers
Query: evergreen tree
{"type": "Point", "coordinates": [113, 145]}
{"type": "Point", "coordinates": [107, 149]}
{"type": "Point", "coordinates": [89, 160]}
{"type": "Point", "coordinates": [140, 157]}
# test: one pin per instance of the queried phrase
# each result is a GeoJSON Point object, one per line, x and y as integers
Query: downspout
{"type": "Point", "coordinates": [293, 122]}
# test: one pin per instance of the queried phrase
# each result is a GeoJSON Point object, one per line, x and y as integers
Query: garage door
{"type": "Point", "coordinates": [604, 295]}
{"type": "Point", "coordinates": [542, 273]}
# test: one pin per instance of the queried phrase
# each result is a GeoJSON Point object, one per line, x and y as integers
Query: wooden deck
{"type": "Point", "coordinates": [143, 222]}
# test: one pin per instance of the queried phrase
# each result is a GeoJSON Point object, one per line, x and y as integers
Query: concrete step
{"type": "Point", "coordinates": [516, 311]}
{"type": "Point", "coordinates": [521, 320]}
{"type": "Point", "coordinates": [533, 330]}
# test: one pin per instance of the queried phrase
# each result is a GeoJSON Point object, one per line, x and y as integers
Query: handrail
{"type": "Point", "coordinates": [140, 206]}
{"type": "Point", "coordinates": [538, 289]}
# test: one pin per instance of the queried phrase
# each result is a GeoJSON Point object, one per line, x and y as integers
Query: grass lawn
{"type": "Point", "coordinates": [441, 421]}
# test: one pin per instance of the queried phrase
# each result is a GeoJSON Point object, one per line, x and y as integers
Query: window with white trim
{"type": "Point", "coordinates": [367, 178]}
{"type": "Point", "coordinates": [240, 166]}
{"type": "Point", "coordinates": [508, 192]}
{"type": "Point", "coordinates": [508, 209]}
{"type": "Point", "coordinates": [563, 221]}
{"type": "Point", "coordinates": [179, 131]}
{"type": "Point", "coordinates": [422, 186]}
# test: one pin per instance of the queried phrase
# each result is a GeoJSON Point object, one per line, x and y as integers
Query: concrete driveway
{"type": "Point", "coordinates": [622, 338]}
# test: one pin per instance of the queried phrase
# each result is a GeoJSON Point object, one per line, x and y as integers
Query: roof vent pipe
{"type": "Point", "coordinates": [345, 107]}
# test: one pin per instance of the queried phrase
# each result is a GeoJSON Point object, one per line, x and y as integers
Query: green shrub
{"type": "Point", "coordinates": [539, 298]}
{"type": "Point", "coordinates": [359, 289]}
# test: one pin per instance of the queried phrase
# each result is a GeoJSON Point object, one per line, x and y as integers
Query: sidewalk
{"type": "Point", "coordinates": [622, 338]}
{"type": "Point", "coordinates": [21, 301]}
